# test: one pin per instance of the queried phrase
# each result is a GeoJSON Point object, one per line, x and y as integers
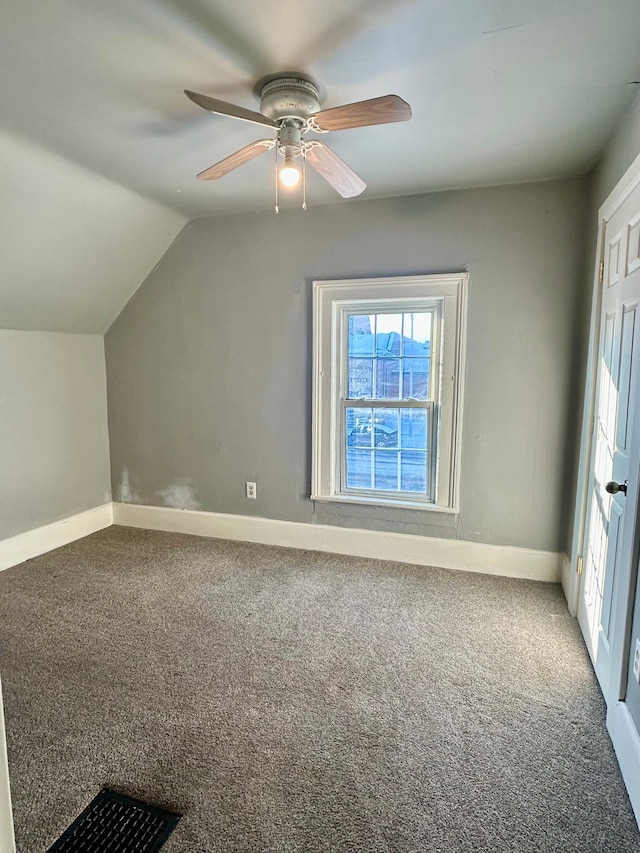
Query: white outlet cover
{"type": "Point", "coordinates": [636, 662]}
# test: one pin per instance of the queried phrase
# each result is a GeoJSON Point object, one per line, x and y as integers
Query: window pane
{"type": "Point", "coordinates": [386, 470]}
{"type": "Point", "coordinates": [413, 428]}
{"type": "Point", "coordinates": [416, 331]}
{"type": "Point", "coordinates": [413, 471]}
{"type": "Point", "coordinates": [360, 378]}
{"type": "Point", "coordinates": [361, 334]}
{"type": "Point", "coordinates": [358, 468]}
{"type": "Point", "coordinates": [385, 427]}
{"type": "Point", "coordinates": [387, 379]}
{"type": "Point", "coordinates": [388, 335]}
{"type": "Point", "coordinates": [359, 432]}
{"type": "Point", "coordinates": [417, 354]}
{"type": "Point", "coordinates": [389, 325]}
{"type": "Point", "coordinates": [415, 378]}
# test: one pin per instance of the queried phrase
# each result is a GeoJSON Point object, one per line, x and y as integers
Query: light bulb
{"type": "Point", "coordinates": [289, 174]}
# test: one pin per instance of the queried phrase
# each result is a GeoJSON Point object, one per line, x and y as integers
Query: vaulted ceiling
{"type": "Point", "coordinates": [100, 147]}
{"type": "Point", "coordinates": [75, 246]}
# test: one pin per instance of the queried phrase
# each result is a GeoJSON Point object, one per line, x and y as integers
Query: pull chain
{"type": "Point", "coordinates": [304, 179]}
{"type": "Point", "coordinates": [277, 209]}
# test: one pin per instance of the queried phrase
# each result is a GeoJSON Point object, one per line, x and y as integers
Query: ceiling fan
{"type": "Point", "coordinates": [290, 105]}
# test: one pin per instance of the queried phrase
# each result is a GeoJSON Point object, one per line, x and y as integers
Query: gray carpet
{"type": "Point", "coordinates": [292, 701]}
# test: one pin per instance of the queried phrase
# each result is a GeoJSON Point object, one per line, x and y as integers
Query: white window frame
{"type": "Point", "coordinates": [447, 295]}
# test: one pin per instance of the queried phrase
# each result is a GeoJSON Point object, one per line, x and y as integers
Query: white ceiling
{"type": "Point", "coordinates": [501, 90]}
{"type": "Point", "coordinates": [99, 147]}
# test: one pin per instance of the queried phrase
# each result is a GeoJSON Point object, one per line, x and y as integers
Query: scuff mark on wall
{"type": "Point", "coordinates": [180, 495]}
{"type": "Point", "coordinates": [125, 494]}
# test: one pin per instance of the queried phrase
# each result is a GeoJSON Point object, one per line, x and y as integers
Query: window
{"type": "Point", "coordinates": [388, 364]}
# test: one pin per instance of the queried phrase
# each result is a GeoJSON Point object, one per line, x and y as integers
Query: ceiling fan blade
{"type": "Point", "coordinates": [219, 170]}
{"type": "Point", "coordinates": [222, 108]}
{"type": "Point", "coordinates": [334, 170]}
{"type": "Point", "coordinates": [384, 110]}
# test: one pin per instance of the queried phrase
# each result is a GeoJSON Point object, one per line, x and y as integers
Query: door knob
{"type": "Point", "coordinates": [613, 488]}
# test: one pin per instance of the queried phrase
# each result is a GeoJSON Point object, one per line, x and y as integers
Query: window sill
{"type": "Point", "coordinates": [394, 504]}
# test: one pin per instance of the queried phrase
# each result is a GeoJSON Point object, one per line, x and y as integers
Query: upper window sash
{"type": "Point", "coordinates": [363, 308]}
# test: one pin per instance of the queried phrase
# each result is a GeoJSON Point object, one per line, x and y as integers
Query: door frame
{"type": "Point", "coordinates": [7, 841]}
{"type": "Point", "coordinates": [571, 579]}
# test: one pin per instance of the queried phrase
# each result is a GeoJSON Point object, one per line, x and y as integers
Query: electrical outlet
{"type": "Point", "coordinates": [636, 662]}
{"type": "Point", "coordinates": [252, 490]}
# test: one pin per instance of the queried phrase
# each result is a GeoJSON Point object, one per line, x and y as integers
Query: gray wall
{"type": "Point", "coordinates": [54, 451]}
{"type": "Point", "coordinates": [209, 365]}
{"type": "Point", "coordinates": [621, 151]}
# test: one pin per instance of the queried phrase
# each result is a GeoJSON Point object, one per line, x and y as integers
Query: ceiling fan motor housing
{"type": "Point", "coordinates": [289, 97]}
{"type": "Point", "coordinates": [290, 138]}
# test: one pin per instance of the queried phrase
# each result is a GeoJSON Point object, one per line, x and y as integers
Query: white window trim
{"type": "Point", "coordinates": [450, 293]}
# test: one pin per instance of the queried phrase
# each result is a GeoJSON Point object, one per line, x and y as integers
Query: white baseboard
{"type": "Point", "coordinates": [31, 544]}
{"type": "Point", "coordinates": [626, 742]}
{"type": "Point", "coordinates": [405, 548]}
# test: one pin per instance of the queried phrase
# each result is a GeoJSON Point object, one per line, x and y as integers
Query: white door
{"type": "Point", "coordinates": [607, 570]}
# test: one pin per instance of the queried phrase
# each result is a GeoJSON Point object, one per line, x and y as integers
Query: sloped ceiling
{"type": "Point", "coordinates": [75, 246]}
{"type": "Point", "coordinates": [502, 91]}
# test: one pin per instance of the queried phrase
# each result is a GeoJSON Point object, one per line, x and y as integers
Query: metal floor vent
{"type": "Point", "coordinates": [113, 823]}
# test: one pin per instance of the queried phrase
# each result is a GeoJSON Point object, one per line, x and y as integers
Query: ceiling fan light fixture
{"type": "Point", "coordinates": [290, 105]}
{"type": "Point", "coordinates": [289, 173]}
